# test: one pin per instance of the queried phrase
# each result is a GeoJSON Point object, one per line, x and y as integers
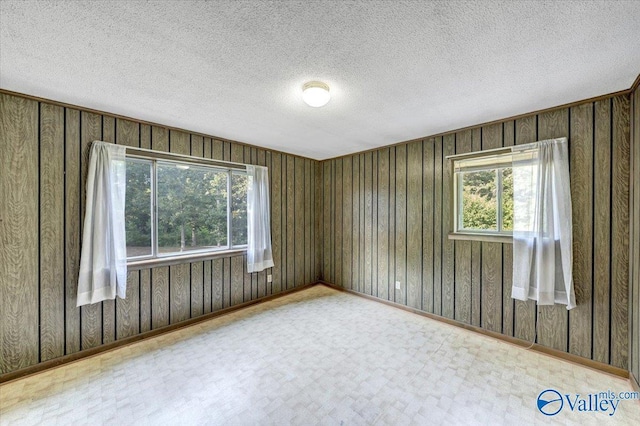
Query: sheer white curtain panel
{"type": "Point", "coordinates": [542, 230]}
{"type": "Point", "coordinates": [103, 261]}
{"type": "Point", "coordinates": [259, 254]}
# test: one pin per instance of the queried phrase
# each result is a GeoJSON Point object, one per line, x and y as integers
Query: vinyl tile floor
{"type": "Point", "coordinates": [317, 356]}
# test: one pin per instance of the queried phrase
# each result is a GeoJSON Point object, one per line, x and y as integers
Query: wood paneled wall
{"type": "Point", "coordinates": [386, 215]}
{"type": "Point", "coordinates": [634, 352]}
{"type": "Point", "coordinates": [44, 153]}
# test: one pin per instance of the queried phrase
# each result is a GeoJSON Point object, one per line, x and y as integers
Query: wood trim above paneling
{"type": "Point", "coordinates": [635, 84]}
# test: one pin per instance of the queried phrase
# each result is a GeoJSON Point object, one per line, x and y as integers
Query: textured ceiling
{"type": "Point", "coordinates": [397, 70]}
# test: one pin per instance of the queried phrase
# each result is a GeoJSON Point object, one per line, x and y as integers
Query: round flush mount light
{"type": "Point", "coordinates": [315, 94]}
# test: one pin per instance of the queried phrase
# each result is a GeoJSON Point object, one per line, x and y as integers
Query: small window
{"type": "Point", "coordinates": [483, 187]}
{"type": "Point", "coordinates": [179, 208]}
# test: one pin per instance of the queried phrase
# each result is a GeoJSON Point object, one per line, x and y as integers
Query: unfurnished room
{"type": "Point", "coordinates": [364, 212]}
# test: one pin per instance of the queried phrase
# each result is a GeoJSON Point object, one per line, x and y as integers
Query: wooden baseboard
{"type": "Point", "coordinates": [87, 353]}
{"type": "Point", "coordinates": [606, 368]}
{"type": "Point", "coordinates": [634, 382]}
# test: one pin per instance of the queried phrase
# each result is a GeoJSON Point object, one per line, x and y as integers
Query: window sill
{"type": "Point", "coordinates": [136, 265]}
{"type": "Point", "coordinates": [469, 236]}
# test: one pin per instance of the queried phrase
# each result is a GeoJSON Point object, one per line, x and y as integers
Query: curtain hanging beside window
{"type": "Point", "coordinates": [542, 234]}
{"type": "Point", "coordinates": [259, 255]}
{"type": "Point", "coordinates": [103, 262]}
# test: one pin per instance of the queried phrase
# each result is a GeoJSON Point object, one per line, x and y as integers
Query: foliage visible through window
{"type": "Point", "coordinates": [192, 208]}
{"type": "Point", "coordinates": [484, 194]}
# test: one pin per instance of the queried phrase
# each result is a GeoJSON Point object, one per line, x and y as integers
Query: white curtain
{"type": "Point", "coordinates": [103, 262]}
{"type": "Point", "coordinates": [259, 255]}
{"type": "Point", "coordinates": [542, 230]}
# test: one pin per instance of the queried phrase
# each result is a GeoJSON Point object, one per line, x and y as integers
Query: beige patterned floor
{"type": "Point", "coordinates": [314, 357]}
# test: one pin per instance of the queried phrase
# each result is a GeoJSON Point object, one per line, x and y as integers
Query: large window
{"type": "Point", "coordinates": [180, 208]}
{"type": "Point", "coordinates": [483, 191]}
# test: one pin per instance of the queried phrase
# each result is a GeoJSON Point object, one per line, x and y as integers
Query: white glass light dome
{"type": "Point", "coordinates": [315, 94]}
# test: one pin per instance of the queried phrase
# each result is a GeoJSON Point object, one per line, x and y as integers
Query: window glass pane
{"type": "Point", "coordinates": [479, 201]}
{"type": "Point", "coordinates": [239, 208]}
{"type": "Point", "coordinates": [192, 208]}
{"type": "Point", "coordinates": [525, 177]}
{"type": "Point", "coordinates": [137, 209]}
{"type": "Point", "coordinates": [507, 199]}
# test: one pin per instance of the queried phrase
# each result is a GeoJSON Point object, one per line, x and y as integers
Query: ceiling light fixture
{"type": "Point", "coordinates": [315, 94]}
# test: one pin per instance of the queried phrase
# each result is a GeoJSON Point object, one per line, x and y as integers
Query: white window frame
{"type": "Point", "coordinates": [156, 258]}
{"type": "Point", "coordinates": [458, 231]}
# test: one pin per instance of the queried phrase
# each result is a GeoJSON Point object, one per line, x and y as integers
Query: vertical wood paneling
{"type": "Point", "coordinates": [355, 224]}
{"type": "Point", "coordinates": [145, 300]}
{"type": "Point", "coordinates": [179, 275]}
{"type": "Point", "coordinates": [159, 297]}
{"type": "Point", "coordinates": [470, 280]}
{"type": "Point", "coordinates": [392, 224]}
{"type": "Point", "coordinates": [437, 227]}
{"type": "Point", "coordinates": [298, 185]}
{"type": "Point", "coordinates": [160, 292]}
{"type": "Point", "coordinates": [145, 136]}
{"type": "Point", "coordinates": [463, 253]}
{"type": "Point", "coordinates": [634, 332]}
{"type": "Point", "coordinates": [318, 220]}
{"type": "Point", "coordinates": [237, 280]}
{"type": "Point", "coordinates": [217, 149]}
{"type": "Point", "coordinates": [581, 167]}
{"type": "Point", "coordinates": [383, 223]}
{"type": "Point", "coordinates": [374, 223]}
{"type": "Point", "coordinates": [308, 221]}
{"type": "Point", "coordinates": [50, 146]}
{"type": "Point", "coordinates": [290, 223]}
{"type": "Point", "coordinates": [179, 303]}
{"type": "Point", "coordinates": [428, 207]}
{"type": "Point", "coordinates": [525, 312]}
{"type": "Point", "coordinates": [367, 173]}
{"type": "Point", "coordinates": [217, 275]}
{"type": "Point", "coordinates": [337, 234]}
{"type": "Point", "coordinates": [226, 282]}
{"type": "Point", "coordinates": [19, 334]}
{"type": "Point", "coordinates": [508, 306]}
{"type": "Point", "coordinates": [414, 225]}
{"type": "Point", "coordinates": [207, 291]}
{"type": "Point", "coordinates": [247, 281]}
{"type": "Point", "coordinates": [51, 231]}
{"type": "Point", "coordinates": [276, 221]}
{"type": "Point", "coordinates": [553, 320]}
{"type": "Point", "coordinates": [602, 231]}
{"type": "Point", "coordinates": [401, 223]}
{"type": "Point", "coordinates": [145, 275]}
{"type": "Point", "coordinates": [377, 203]}
{"type": "Point", "coordinates": [108, 306]}
{"type": "Point", "coordinates": [620, 233]}
{"type": "Point", "coordinates": [347, 222]}
{"type": "Point", "coordinates": [127, 310]}
{"type": "Point", "coordinates": [326, 229]}
{"type": "Point", "coordinates": [72, 228]}
{"type": "Point", "coordinates": [197, 289]}
{"type": "Point", "coordinates": [92, 318]}
{"type": "Point", "coordinates": [361, 223]}
{"type": "Point", "coordinates": [492, 255]}
{"type": "Point", "coordinates": [448, 253]}
{"type": "Point", "coordinates": [368, 217]}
